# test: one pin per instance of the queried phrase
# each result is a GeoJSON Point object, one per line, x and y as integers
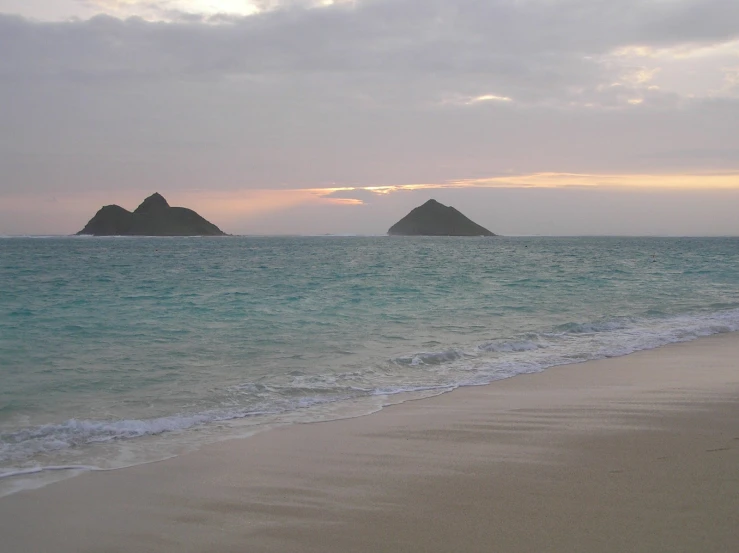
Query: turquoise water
{"type": "Point", "coordinates": [115, 351]}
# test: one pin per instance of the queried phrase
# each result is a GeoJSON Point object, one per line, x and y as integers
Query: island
{"type": "Point", "coordinates": [436, 219]}
{"type": "Point", "coordinates": [154, 217]}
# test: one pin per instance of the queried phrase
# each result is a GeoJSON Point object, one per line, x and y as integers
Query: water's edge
{"type": "Point", "coordinates": [25, 479]}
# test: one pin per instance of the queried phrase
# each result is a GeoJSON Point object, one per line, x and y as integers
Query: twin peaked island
{"type": "Point", "coordinates": [155, 217]}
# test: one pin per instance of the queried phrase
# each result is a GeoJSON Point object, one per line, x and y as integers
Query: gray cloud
{"type": "Point", "coordinates": [371, 93]}
{"type": "Point", "coordinates": [379, 35]}
{"type": "Point", "coordinates": [410, 52]}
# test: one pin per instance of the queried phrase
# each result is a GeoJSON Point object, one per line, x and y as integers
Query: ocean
{"type": "Point", "coordinates": [119, 351]}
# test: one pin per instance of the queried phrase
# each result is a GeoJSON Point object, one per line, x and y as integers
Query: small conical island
{"type": "Point", "coordinates": [154, 217]}
{"type": "Point", "coordinates": [435, 219]}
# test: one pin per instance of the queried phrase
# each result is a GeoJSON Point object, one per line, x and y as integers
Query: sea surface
{"type": "Point", "coordinates": [118, 351]}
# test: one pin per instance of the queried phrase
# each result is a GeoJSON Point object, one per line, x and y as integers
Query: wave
{"type": "Point", "coordinates": [515, 345]}
{"type": "Point", "coordinates": [48, 438]}
{"type": "Point", "coordinates": [429, 371]}
{"type": "Point", "coordinates": [37, 470]}
{"type": "Point", "coordinates": [597, 326]}
{"type": "Point", "coordinates": [429, 358]}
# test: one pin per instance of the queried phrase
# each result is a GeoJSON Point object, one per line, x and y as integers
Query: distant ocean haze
{"type": "Point", "coordinates": [115, 351]}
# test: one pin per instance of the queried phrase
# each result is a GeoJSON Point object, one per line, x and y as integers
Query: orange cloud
{"type": "Point", "coordinates": [708, 181]}
{"type": "Point", "coordinates": [564, 180]}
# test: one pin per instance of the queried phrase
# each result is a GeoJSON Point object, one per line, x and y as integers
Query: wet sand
{"type": "Point", "coordinates": [637, 453]}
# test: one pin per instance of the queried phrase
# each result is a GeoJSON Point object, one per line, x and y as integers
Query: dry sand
{"type": "Point", "coordinates": [633, 454]}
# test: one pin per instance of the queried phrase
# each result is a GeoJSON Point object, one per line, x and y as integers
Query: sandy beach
{"type": "Point", "coordinates": [636, 453]}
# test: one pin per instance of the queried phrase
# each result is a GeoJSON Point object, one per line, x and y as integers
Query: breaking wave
{"type": "Point", "coordinates": [436, 371]}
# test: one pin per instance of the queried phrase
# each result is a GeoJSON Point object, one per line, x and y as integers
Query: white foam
{"type": "Point", "coordinates": [28, 442]}
{"type": "Point", "coordinates": [430, 357]}
{"type": "Point", "coordinates": [516, 345]}
{"type": "Point", "coordinates": [298, 397]}
{"type": "Point", "coordinates": [37, 470]}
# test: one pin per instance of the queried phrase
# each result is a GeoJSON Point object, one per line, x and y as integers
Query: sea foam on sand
{"type": "Point", "coordinates": [636, 453]}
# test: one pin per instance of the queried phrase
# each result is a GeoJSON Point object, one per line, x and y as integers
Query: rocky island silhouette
{"type": "Point", "coordinates": [154, 217]}
{"type": "Point", "coordinates": [436, 219]}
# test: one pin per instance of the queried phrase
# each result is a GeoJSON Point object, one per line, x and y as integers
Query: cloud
{"type": "Point", "coordinates": [369, 96]}
{"type": "Point", "coordinates": [565, 53]}
{"type": "Point", "coordinates": [374, 35]}
{"type": "Point", "coordinates": [706, 181]}
{"type": "Point", "coordinates": [354, 196]}
{"type": "Point", "coordinates": [171, 10]}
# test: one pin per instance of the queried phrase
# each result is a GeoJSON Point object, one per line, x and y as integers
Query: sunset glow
{"type": "Point", "coordinates": [721, 181]}
{"type": "Point", "coordinates": [560, 180]}
{"type": "Point", "coordinates": [254, 201]}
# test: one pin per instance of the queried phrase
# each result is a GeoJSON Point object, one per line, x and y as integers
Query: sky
{"type": "Point", "coordinates": [551, 117]}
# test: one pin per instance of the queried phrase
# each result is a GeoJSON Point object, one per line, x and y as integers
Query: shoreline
{"type": "Point", "coordinates": [651, 435]}
{"type": "Point", "coordinates": [127, 453]}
